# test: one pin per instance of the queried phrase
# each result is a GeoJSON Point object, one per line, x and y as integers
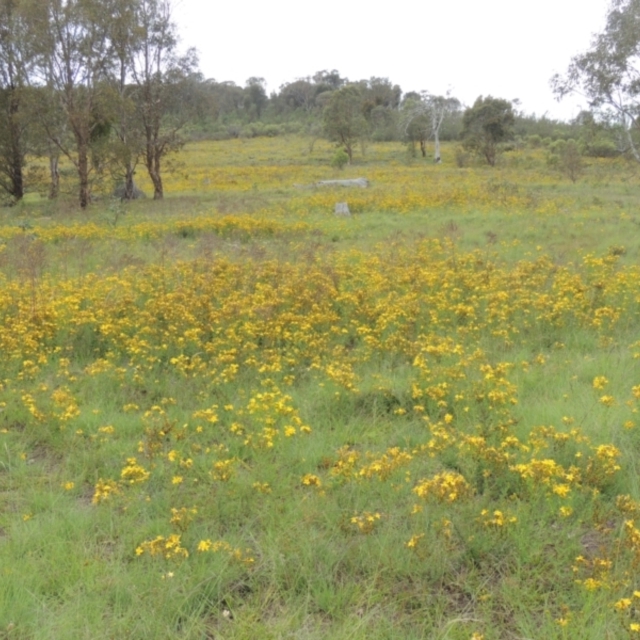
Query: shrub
{"type": "Point", "coordinates": [601, 149]}
{"type": "Point", "coordinates": [462, 157]}
{"type": "Point", "coordinates": [534, 141]}
{"type": "Point", "coordinates": [340, 159]}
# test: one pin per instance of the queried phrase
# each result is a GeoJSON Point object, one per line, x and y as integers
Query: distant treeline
{"type": "Point", "coordinates": [233, 111]}
{"type": "Point", "coordinates": [103, 84]}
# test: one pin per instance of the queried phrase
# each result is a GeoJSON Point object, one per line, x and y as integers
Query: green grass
{"type": "Point", "coordinates": [333, 319]}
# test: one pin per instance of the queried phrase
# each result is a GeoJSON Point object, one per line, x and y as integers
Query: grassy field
{"type": "Point", "coordinates": [233, 415]}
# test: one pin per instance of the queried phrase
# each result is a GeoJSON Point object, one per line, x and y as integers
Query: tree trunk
{"type": "Point", "coordinates": [349, 149]}
{"type": "Point", "coordinates": [83, 175]}
{"type": "Point", "coordinates": [16, 160]}
{"type": "Point", "coordinates": [632, 146]}
{"type": "Point", "coordinates": [436, 154]}
{"type": "Point", "coordinates": [423, 148]}
{"type": "Point", "coordinates": [153, 167]}
{"type": "Point", "coordinates": [54, 174]}
{"type": "Point", "coordinates": [129, 186]}
{"type": "Point", "coordinates": [17, 179]}
{"type": "Point", "coordinates": [490, 152]}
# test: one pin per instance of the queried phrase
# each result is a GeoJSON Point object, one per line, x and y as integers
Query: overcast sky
{"type": "Point", "coordinates": [505, 48]}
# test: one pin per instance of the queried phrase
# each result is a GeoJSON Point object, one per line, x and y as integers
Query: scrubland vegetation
{"type": "Point", "coordinates": [230, 414]}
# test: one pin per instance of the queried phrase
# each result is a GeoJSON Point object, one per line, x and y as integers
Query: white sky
{"type": "Point", "coordinates": [505, 48]}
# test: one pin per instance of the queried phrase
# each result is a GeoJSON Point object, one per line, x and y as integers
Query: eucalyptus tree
{"type": "Point", "coordinates": [256, 98]}
{"type": "Point", "coordinates": [16, 60]}
{"type": "Point", "coordinates": [381, 92]}
{"type": "Point", "coordinates": [165, 85]}
{"type": "Point", "coordinates": [487, 124]}
{"type": "Point", "coordinates": [423, 117]}
{"type": "Point", "coordinates": [415, 127]}
{"type": "Point", "coordinates": [438, 108]}
{"type": "Point", "coordinates": [222, 99]}
{"type": "Point", "coordinates": [329, 80]}
{"type": "Point", "coordinates": [344, 121]}
{"type": "Point", "coordinates": [51, 133]}
{"type": "Point", "coordinates": [73, 63]}
{"type": "Point", "coordinates": [126, 141]}
{"type": "Point", "coordinates": [607, 75]}
{"type": "Point", "coordinates": [299, 94]}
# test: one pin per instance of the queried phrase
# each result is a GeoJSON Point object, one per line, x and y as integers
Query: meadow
{"type": "Point", "coordinates": [233, 415]}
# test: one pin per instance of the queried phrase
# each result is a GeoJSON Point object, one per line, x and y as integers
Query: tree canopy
{"type": "Point", "coordinates": [344, 121]}
{"type": "Point", "coordinates": [608, 74]}
{"type": "Point", "coordinates": [104, 84]}
{"type": "Point", "coordinates": [101, 81]}
{"type": "Point", "coordinates": [486, 124]}
{"type": "Point", "coordinates": [423, 115]}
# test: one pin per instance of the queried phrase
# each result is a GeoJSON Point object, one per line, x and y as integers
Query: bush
{"type": "Point", "coordinates": [340, 159]}
{"type": "Point", "coordinates": [513, 145]}
{"type": "Point", "coordinates": [293, 127]}
{"type": "Point", "coordinates": [260, 130]}
{"type": "Point", "coordinates": [387, 133]}
{"type": "Point", "coordinates": [534, 141]}
{"type": "Point", "coordinates": [601, 149]}
{"type": "Point", "coordinates": [252, 130]}
{"type": "Point", "coordinates": [272, 130]}
{"type": "Point", "coordinates": [557, 146]}
{"type": "Point", "coordinates": [566, 156]}
{"type": "Point", "coordinates": [234, 130]}
{"type": "Point", "coordinates": [462, 157]}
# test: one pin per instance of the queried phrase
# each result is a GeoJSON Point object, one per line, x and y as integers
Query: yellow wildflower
{"type": "Point", "coordinates": [600, 382]}
{"type": "Point", "coordinates": [311, 480]}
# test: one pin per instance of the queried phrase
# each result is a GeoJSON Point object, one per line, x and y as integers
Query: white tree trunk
{"type": "Point", "coordinates": [436, 154]}
{"type": "Point", "coordinates": [437, 116]}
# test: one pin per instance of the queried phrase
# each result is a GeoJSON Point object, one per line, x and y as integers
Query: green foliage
{"type": "Point", "coordinates": [340, 159]}
{"type": "Point", "coordinates": [607, 74]}
{"type": "Point", "coordinates": [487, 124]}
{"type": "Point", "coordinates": [383, 124]}
{"type": "Point", "coordinates": [462, 157]}
{"type": "Point", "coordinates": [531, 125]}
{"type": "Point", "coordinates": [16, 134]}
{"type": "Point", "coordinates": [258, 129]}
{"type": "Point", "coordinates": [602, 148]}
{"type": "Point", "coordinates": [557, 146]}
{"type": "Point", "coordinates": [422, 118]}
{"type": "Point", "coordinates": [344, 122]}
{"type": "Point", "coordinates": [256, 96]}
{"type": "Point", "coordinates": [566, 156]}
{"type": "Point", "coordinates": [534, 140]}
{"type": "Point", "coordinates": [418, 130]}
